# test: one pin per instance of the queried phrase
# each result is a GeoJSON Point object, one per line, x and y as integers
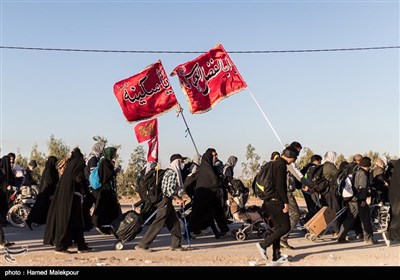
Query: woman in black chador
{"type": "Point", "coordinates": [48, 184]}
{"type": "Point", "coordinates": [64, 221]}
{"type": "Point", "coordinates": [206, 205]}
{"type": "Point", "coordinates": [393, 233]}
{"type": "Point", "coordinates": [107, 208]}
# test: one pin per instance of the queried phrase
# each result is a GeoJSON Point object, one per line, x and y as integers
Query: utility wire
{"type": "Point", "coordinates": [172, 52]}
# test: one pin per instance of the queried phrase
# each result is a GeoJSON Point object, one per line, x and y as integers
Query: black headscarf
{"type": "Point", "coordinates": [207, 177]}
{"type": "Point", "coordinates": [50, 175]}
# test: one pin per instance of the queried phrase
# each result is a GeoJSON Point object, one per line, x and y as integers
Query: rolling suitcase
{"type": "Point", "coordinates": [127, 226]}
{"type": "Point", "coordinates": [319, 222]}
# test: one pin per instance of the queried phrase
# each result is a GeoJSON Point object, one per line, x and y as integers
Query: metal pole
{"type": "Point", "coordinates": [180, 111]}
{"type": "Point", "coordinates": [265, 117]}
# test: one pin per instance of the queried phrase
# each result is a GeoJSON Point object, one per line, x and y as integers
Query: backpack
{"type": "Point", "coordinates": [94, 178]}
{"type": "Point", "coordinates": [149, 187]}
{"type": "Point", "coordinates": [262, 185]}
{"type": "Point", "coordinates": [316, 176]}
{"type": "Point", "coordinates": [345, 183]}
{"type": "Point", "coordinates": [237, 188]}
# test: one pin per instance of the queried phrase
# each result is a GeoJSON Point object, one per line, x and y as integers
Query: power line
{"type": "Point", "coordinates": [173, 52]}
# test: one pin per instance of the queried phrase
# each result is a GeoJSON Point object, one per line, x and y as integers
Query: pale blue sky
{"type": "Point", "coordinates": [342, 101]}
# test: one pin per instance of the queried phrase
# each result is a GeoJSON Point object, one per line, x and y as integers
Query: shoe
{"type": "Point", "coordinates": [62, 252]}
{"type": "Point", "coordinates": [262, 251]}
{"type": "Point", "coordinates": [138, 248]}
{"type": "Point", "coordinates": [85, 250]}
{"type": "Point", "coordinates": [335, 235]}
{"type": "Point", "coordinates": [342, 240]}
{"type": "Point", "coordinates": [370, 241]}
{"type": "Point", "coordinates": [6, 243]}
{"type": "Point", "coordinates": [283, 256]}
{"type": "Point", "coordinates": [223, 234]}
{"type": "Point", "coordinates": [279, 261]}
{"type": "Point", "coordinates": [360, 236]}
{"type": "Point", "coordinates": [286, 245]}
{"type": "Point", "coordinates": [180, 248]}
{"type": "Point", "coordinates": [386, 238]}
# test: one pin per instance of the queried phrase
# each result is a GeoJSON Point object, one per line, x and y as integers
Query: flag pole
{"type": "Point", "coordinates": [265, 117]}
{"type": "Point", "coordinates": [180, 111]}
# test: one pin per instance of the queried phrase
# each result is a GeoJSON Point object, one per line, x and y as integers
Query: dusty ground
{"type": "Point", "coordinates": [207, 251]}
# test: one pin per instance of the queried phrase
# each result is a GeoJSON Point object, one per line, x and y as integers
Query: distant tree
{"type": "Point", "coordinates": [339, 159]}
{"type": "Point", "coordinates": [127, 180]}
{"type": "Point", "coordinates": [20, 160]}
{"type": "Point", "coordinates": [372, 155]}
{"type": "Point", "coordinates": [40, 159]}
{"type": "Point", "coordinates": [251, 167]}
{"type": "Point", "coordinates": [57, 148]}
{"type": "Point", "coordinates": [305, 159]}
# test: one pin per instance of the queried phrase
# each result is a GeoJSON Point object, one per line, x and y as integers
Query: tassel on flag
{"type": "Point", "coordinates": [208, 79]}
{"type": "Point", "coordinates": [145, 95]}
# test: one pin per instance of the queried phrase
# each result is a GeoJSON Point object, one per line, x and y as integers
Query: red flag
{"type": "Point", "coordinates": [152, 154]}
{"type": "Point", "coordinates": [208, 79]}
{"type": "Point", "coordinates": [145, 95]}
{"type": "Point", "coordinates": [146, 130]}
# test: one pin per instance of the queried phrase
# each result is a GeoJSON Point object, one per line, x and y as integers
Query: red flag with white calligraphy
{"type": "Point", "coordinates": [145, 95]}
{"type": "Point", "coordinates": [146, 130]}
{"type": "Point", "coordinates": [208, 79]}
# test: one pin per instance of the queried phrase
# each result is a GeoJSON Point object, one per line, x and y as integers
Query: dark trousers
{"type": "Point", "coordinates": [165, 215]}
{"type": "Point", "coordinates": [354, 210]}
{"type": "Point", "coordinates": [281, 223]}
{"type": "Point", "coordinates": [294, 214]}
{"type": "Point", "coordinates": [2, 238]}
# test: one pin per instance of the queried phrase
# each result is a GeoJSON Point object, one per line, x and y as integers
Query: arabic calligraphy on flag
{"type": "Point", "coordinates": [145, 95]}
{"type": "Point", "coordinates": [208, 79]}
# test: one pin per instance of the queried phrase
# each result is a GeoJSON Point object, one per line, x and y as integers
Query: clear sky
{"type": "Point", "coordinates": [347, 102]}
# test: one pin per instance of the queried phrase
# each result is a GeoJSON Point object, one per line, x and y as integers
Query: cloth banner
{"type": "Point", "coordinates": [145, 95]}
{"type": "Point", "coordinates": [146, 130]}
{"type": "Point", "coordinates": [208, 79]}
{"type": "Point", "coordinates": [152, 154]}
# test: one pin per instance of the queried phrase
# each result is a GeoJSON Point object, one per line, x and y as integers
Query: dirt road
{"type": "Point", "coordinates": [207, 251]}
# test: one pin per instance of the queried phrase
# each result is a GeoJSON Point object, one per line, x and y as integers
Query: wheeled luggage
{"type": "Point", "coordinates": [127, 226]}
{"type": "Point", "coordinates": [320, 222]}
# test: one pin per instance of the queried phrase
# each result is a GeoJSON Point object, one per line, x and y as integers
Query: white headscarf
{"type": "Point", "coordinates": [195, 163]}
{"type": "Point", "coordinates": [175, 165]}
{"type": "Point", "coordinates": [384, 159]}
{"type": "Point", "coordinates": [329, 157]}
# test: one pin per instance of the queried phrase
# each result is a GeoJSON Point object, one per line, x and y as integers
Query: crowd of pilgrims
{"type": "Point", "coordinates": [68, 206]}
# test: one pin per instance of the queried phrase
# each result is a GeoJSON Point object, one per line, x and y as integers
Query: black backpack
{"type": "Point", "coordinates": [316, 176]}
{"type": "Point", "coordinates": [149, 187]}
{"type": "Point", "coordinates": [262, 184]}
{"type": "Point", "coordinates": [345, 183]}
{"type": "Point", "coordinates": [237, 188]}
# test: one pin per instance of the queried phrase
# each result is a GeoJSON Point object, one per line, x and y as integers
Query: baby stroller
{"type": "Point", "coordinates": [254, 218]}
{"type": "Point", "coordinates": [22, 199]}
